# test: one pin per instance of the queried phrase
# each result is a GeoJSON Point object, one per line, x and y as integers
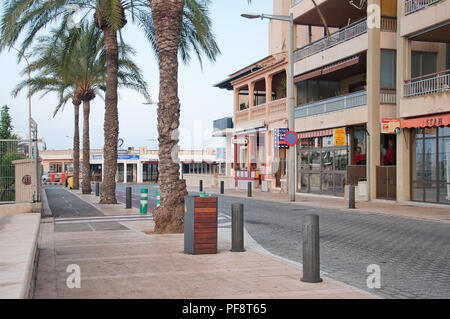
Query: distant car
{"type": "Point", "coordinates": [46, 177]}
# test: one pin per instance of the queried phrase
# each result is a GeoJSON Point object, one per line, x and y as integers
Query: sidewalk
{"type": "Point", "coordinates": [132, 264]}
{"type": "Point", "coordinates": [390, 208]}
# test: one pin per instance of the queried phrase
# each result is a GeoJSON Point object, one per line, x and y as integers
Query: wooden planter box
{"type": "Point", "coordinates": [200, 225]}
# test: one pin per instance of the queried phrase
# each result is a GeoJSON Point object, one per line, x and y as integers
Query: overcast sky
{"type": "Point", "coordinates": [241, 41]}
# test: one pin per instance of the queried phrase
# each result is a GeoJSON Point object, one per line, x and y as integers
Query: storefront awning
{"type": "Point", "coordinates": [427, 121]}
{"type": "Point", "coordinates": [328, 69]}
{"type": "Point", "coordinates": [319, 133]}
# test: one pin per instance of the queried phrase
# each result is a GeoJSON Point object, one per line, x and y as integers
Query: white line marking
{"type": "Point", "coordinates": [92, 228]}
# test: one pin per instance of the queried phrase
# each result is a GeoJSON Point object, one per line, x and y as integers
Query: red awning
{"type": "Point", "coordinates": [427, 121]}
{"type": "Point", "coordinates": [328, 69]}
{"type": "Point", "coordinates": [319, 133]}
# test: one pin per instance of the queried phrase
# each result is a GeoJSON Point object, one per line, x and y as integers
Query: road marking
{"type": "Point", "coordinates": [91, 227]}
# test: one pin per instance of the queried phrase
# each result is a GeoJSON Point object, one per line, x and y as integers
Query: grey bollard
{"type": "Point", "coordinates": [97, 189]}
{"type": "Point", "coordinates": [351, 196]}
{"type": "Point", "coordinates": [311, 251]}
{"type": "Point", "coordinates": [249, 189]}
{"type": "Point", "coordinates": [200, 187]}
{"type": "Point", "coordinates": [128, 198]}
{"type": "Point", "coordinates": [237, 227]}
{"type": "Point", "coordinates": [222, 187]}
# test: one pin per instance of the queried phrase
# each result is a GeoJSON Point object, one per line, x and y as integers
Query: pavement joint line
{"type": "Point", "coordinates": [103, 220]}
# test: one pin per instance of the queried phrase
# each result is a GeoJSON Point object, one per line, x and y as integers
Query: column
{"type": "Point", "coordinates": [140, 168]}
{"type": "Point", "coordinates": [403, 151]}
{"type": "Point", "coordinates": [236, 100]}
{"type": "Point", "coordinates": [373, 93]}
{"type": "Point", "coordinates": [125, 172]}
{"type": "Point", "coordinates": [251, 97]}
{"type": "Point", "coordinates": [268, 80]}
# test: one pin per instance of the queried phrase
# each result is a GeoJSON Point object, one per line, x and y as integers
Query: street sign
{"type": "Point", "coordinates": [281, 137]}
{"type": "Point", "coordinates": [340, 138]}
{"type": "Point", "coordinates": [291, 138]}
{"type": "Point", "coordinates": [389, 125]}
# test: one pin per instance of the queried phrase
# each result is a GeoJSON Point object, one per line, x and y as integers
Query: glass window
{"type": "Point", "coordinates": [417, 192]}
{"type": "Point", "coordinates": [341, 160]}
{"type": "Point", "coordinates": [315, 160]}
{"type": "Point", "coordinates": [327, 160]}
{"type": "Point", "coordinates": [430, 192]}
{"type": "Point", "coordinates": [444, 131]}
{"type": "Point", "coordinates": [314, 183]}
{"type": "Point", "coordinates": [304, 159]}
{"type": "Point", "coordinates": [444, 193]}
{"type": "Point", "coordinates": [430, 159]}
{"type": "Point", "coordinates": [388, 69]}
{"type": "Point", "coordinates": [422, 63]}
{"type": "Point", "coordinates": [444, 160]}
{"type": "Point", "coordinates": [327, 183]}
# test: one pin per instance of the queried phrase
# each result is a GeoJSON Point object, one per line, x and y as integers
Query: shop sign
{"type": "Point", "coordinates": [340, 137]}
{"type": "Point", "coordinates": [128, 157]}
{"type": "Point", "coordinates": [390, 126]}
{"type": "Point", "coordinates": [242, 141]}
{"type": "Point", "coordinates": [97, 157]}
{"type": "Point", "coordinates": [280, 134]}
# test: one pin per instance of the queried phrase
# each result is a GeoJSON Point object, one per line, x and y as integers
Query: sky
{"type": "Point", "coordinates": [241, 42]}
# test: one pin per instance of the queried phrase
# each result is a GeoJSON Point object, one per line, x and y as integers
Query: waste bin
{"type": "Point", "coordinates": [52, 177]}
{"type": "Point", "coordinates": [70, 182]}
{"type": "Point", "coordinates": [200, 225]}
{"type": "Point", "coordinates": [63, 178]}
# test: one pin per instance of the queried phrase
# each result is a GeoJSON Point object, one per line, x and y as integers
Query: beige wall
{"type": "Point", "coordinates": [279, 30]}
{"type": "Point", "coordinates": [425, 18]}
{"type": "Point", "coordinates": [424, 105]}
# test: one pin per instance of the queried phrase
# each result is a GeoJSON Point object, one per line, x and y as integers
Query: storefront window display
{"type": "Point", "coordinates": [430, 172]}
{"type": "Point", "coordinates": [321, 166]}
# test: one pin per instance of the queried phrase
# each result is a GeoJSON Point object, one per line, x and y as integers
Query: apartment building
{"type": "Point", "coordinates": [372, 101]}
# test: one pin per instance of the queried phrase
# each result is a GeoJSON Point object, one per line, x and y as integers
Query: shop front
{"type": "Point", "coordinates": [430, 158]}
{"type": "Point", "coordinates": [249, 157]}
{"type": "Point", "coordinates": [322, 162]}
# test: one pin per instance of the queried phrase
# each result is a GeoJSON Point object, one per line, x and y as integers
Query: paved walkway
{"type": "Point", "coordinates": [412, 210]}
{"type": "Point", "coordinates": [132, 264]}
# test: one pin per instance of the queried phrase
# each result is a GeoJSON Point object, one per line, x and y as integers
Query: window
{"type": "Point", "coordinates": [56, 167]}
{"type": "Point", "coordinates": [422, 63]}
{"type": "Point", "coordinates": [388, 69]}
{"type": "Point", "coordinates": [315, 90]}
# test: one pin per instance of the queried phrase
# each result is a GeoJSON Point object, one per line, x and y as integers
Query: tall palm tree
{"type": "Point", "coordinates": [167, 19]}
{"type": "Point", "coordinates": [110, 17]}
{"type": "Point", "coordinates": [74, 64]}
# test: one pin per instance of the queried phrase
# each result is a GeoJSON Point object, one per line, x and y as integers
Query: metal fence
{"type": "Point", "coordinates": [412, 6]}
{"type": "Point", "coordinates": [428, 84]}
{"type": "Point", "coordinates": [10, 150]}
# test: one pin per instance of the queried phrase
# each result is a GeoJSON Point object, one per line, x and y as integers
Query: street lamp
{"type": "Point", "coordinates": [290, 19]}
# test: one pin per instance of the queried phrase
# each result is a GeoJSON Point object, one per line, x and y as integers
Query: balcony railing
{"type": "Point", "coordinates": [294, 2]}
{"type": "Point", "coordinates": [412, 6]}
{"type": "Point", "coordinates": [428, 84]}
{"type": "Point", "coordinates": [388, 24]}
{"type": "Point", "coordinates": [388, 96]}
{"type": "Point", "coordinates": [343, 35]}
{"type": "Point", "coordinates": [331, 105]}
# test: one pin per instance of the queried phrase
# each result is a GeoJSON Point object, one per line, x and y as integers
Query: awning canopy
{"type": "Point", "coordinates": [328, 69]}
{"type": "Point", "coordinates": [319, 133]}
{"type": "Point", "coordinates": [427, 121]}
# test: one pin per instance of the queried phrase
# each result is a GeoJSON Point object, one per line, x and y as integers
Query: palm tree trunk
{"type": "Point", "coordinates": [76, 147]}
{"type": "Point", "coordinates": [167, 19]}
{"type": "Point", "coordinates": [86, 184]}
{"type": "Point", "coordinates": [111, 125]}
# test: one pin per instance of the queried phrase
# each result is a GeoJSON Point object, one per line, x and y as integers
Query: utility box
{"type": "Point", "coordinates": [200, 225]}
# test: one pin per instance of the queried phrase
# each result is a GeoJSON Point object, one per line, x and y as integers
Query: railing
{"type": "Point", "coordinates": [412, 6]}
{"type": "Point", "coordinates": [242, 115]}
{"type": "Point", "coordinates": [356, 29]}
{"type": "Point", "coordinates": [331, 105]}
{"type": "Point", "coordinates": [428, 84]}
{"type": "Point", "coordinates": [388, 96]}
{"type": "Point", "coordinates": [258, 112]}
{"type": "Point", "coordinates": [294, 2]}
{"type": "Point", "coordinates": [388, 24]}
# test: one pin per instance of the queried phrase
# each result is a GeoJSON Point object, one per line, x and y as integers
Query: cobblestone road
{"type": "Point", "coordinates": [414, 256]}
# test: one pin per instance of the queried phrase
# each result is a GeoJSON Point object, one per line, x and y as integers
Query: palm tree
{"type": "Point", "coordinates": [74, 64]}
{"type": "Point", "coordinates": [110, 18]}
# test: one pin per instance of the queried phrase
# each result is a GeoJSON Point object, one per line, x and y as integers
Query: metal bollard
{"type": "Point", "coordinates": [222, 187]}
{"type": "Point", "coordinates": [351, 196]}
{"type": "Point", "coordinates": [311, 251]}
{"type": "Point", "coordinates": [144, 201]}
{"type": "Point", "coordinates": [97, 189]}
{"type": "Point", "coordinates": [128, 198]}
{"type": "Point", "coordinates": [249, 189]}
{"type": "Point", "coordinates": [200, 187]}
{"type": "Point", "coordinates": [237, 227]}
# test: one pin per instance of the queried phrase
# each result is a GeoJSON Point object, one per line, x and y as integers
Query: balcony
{"type": "Point", "coordinates": [343, 35]}
{"type": "Point", "coordinates": [343, 102]}
{"type": "Point", "coordinates": [428, 84]}
{"type": "Point", "coordinates": [331, 105]}
{"type": "Point", "coordinates": [267, 111]}
{"type": "Point", "coordinates": [412, 6]}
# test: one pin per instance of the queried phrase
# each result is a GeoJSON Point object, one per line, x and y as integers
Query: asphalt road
{"type": "Point", "coordinates": [414, 256]}
{"type": "Point", "coordinates": [63, 204]}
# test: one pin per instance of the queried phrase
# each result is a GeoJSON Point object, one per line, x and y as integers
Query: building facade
{"type": "Point", "coordinates": [372, 93]}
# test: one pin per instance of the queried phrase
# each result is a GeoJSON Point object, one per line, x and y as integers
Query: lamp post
{"type": "Point", "coordinates": [290, 19]}
{"type": "Point", "coordinates": [29, 101]}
